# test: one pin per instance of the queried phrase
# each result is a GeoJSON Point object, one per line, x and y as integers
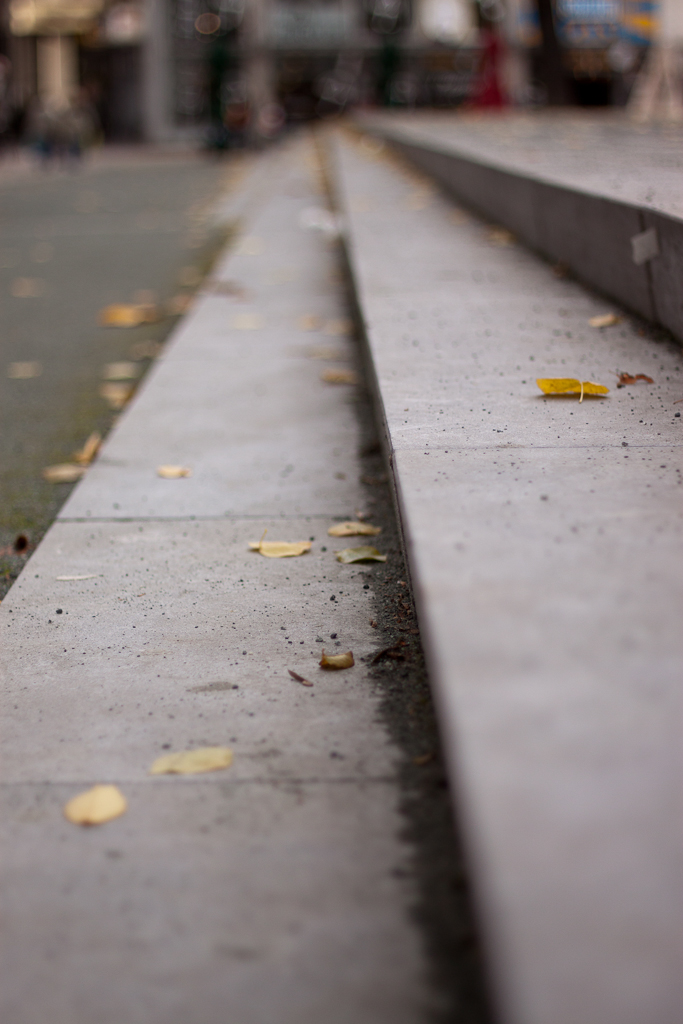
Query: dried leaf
{"type": "Point", "coordinates": [342, 326]}
{"type": "Point", "coordinates": [605, 320]}
{"type": "Point", "coordinates": [87, 576]}
{"type": "Point", "coordinates": [309, 322]}
{"type": "Point", "coordinates": [96, 805]}
{"type": "Point", "coordinates": [570, 386]}
{"type": "Point", "coordinates": [280, 549]}
{"type": "Point", "coordinates": [24, 371]}
{"type": "Point", "coordinates": [247, 322]}
{"type": "Point", "coordinates": [193, 762]}
{"type": "Point", "coordinates": [337, 661]}
{"type": "Point", "coordinates": [121, 371]}
{"type": "Point", "coordinates": [361, 554]}
{"type": "Point", "coordinates": [354, 530]}
{"type": "Point", "coordinates": [121, 315]}
{"type": "Point", "coordinates": [627, 378]}
{"type": "Point", "coordinates": [339, 377]}
{"type": "Point", "coordinates": [116, 395]}
{"type": "Point", "coordinates": [64, 473]}
{"type": "Point", "coordinates": [299, 679]}
{"type": "Point", "coordinates": [87, 453]}
{"type": "Point", "coordinates": [173, 472]}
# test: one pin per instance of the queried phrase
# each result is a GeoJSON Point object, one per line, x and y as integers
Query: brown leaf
{"type": "Point", "coordinates": [627, 378]}
{"type": "Point", "coordinates": [173, 472]}
{"type": "Point", "coordinates": [337, 661]}
{"type": "Point", "coordinates": [193, 762]}
{"type": "Point", "coordinates": [299, 679]}
{"type": "Point", "coordinates": [350, 529]}
{"type": "Point", "coordinates": [131, 315]}
{"type": "Point", "coordinates": [87, 453]}
{"type": "Point", "coordinates": [64, 473]}
{"type": "Point", "coordinates": [339, 377]}
{"type": "Point", "coordinates": [96, 805]}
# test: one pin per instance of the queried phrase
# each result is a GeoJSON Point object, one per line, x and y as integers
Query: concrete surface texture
{"type": "Point", "coordinates": [544, 541]}
{"type": "Point", "coordinates": [278, 891]}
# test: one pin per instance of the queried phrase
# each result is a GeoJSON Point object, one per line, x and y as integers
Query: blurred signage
{"type": "Point", "coordinates": [53, 17]}
{"type": "Point", "coordinates": [124, 24]}
{"type": "Point", "coordinates": [308, 26]}
{"type": "Point", "coordinates": [588, 22]}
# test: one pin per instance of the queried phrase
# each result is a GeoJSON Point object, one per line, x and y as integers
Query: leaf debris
{"type": "Point", "coordinates": [87, 453]}
{"type": "Point", "coordinates": [95, 806]}
{"type": "Point", "coordinates": [278, 548]}
{"type": "Point", "coordinates": [339, 377]}
{"type": "Point", "coordinates": [129, 315]}
{"type": "Point", "coordinates": [299, 679]}
{"type": "Point", "coordinates": [351, 529]}
{"type": "Point", "coordinates": [193, 762]}
{"type": "Point", "coordinates": [337, 661]}
{"type": "Point", "coordinates": [168, 472]}
{"type": "Point", "coordinates": [627, 378]}
{"type": "Point", "coordinates": [570, 386]}
{"type": "Point", "coordinates": [364, 553]}
{"type": "Point", "coordinates": [604, 320]}
{"type": "Point", "coordinates": [63, 473]}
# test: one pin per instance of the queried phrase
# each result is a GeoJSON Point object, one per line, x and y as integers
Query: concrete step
{"type": "Point", "coordinates": [544, 542]}
{"type": "Point", "coordinates": [282, 890]}
{"type": "Point", "coordinates": [597, 194]}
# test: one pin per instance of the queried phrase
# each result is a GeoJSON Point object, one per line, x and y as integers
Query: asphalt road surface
{"type": "Point", "coordinates": [71, 242]}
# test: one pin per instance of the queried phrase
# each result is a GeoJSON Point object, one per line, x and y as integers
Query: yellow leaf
{"type": "Point", "coordinates": [96, 805]}
{"type": "Point", "coordinates": [120, 315]}
{"type": "Point", "coordinates": [87, 453]}
{"type": "Point", "coordinates": [23, 371]}
{"type": "Point", "coordinates": [173, 472]}
{"type": "Point", "coordinates": [116, 395]}
{"type": "Point", "coordinates": [570, 386]}
{"type": "Point", "coordinates": [339, 377]}
{"type": "Point", "coordinates": [280, 549]}
{"type": "Point", "coordinates": [337, 661]}
{"type": "Point", "coordinates": [120, 371]}
{"type": "Point", "coordinates": [605, 320]}
{"type": "Point", "coordinates": [193, 762]}
{"type": "Point", "coordinates": [354, 530]}
{"type": "Point", "coordinates": [64, 473]}
{"type": "Point", "coordinates": [361, 554]}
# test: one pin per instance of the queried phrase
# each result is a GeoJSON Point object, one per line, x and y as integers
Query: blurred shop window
{"type": "Point", "coordinates": [448, 21]}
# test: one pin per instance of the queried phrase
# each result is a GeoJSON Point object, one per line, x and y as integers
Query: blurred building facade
{"type": "Point", "coordinates": [164, 70]}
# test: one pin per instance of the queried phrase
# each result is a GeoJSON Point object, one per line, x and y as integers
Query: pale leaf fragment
{"type": "Point", "coordinates": [64, 473]}
{"type": "Point", "coordinates": [128, 315]}
{"type": "Point", "coordinates": [280, 549]}
{"type": "Point", "coordinates": [96, 805]}
{"type": "Point", "coordinates": [193, 762]}
{"type": "Point", "coordinates": [350, 529]}
{"type": "Point", "coordinates": [87, 453]}
{"type": "Point", "coordinates": [604, 320]}
{"type": "Point", "coordinates": [501, 237]}
{"type": "Point", "coordinates": [337, 661]}
{"type": "Point", "coordinates": [570, 386]}
{"type": "Point", "coordinates": [299, 679]}
{"type": "Point", "coordinates": [87, 576]}
{"type": "Point", "coordinates": [360, 554]}
{"type": "Point", "coordinates": [116, 395]}
{"type": "Point", "coordinates": [24, 371]}
{"type": "Point", "coordinates": [173, 472]}
{"type": "Point", "coordinates": [339, 377]}
{"type": "Point", "coordinates": [120, 371]}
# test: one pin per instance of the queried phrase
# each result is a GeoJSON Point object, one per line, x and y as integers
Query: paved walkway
{"type": "Point", "coordinates": [279, 891]}
{"type": "Point", "coordinates": [544, 540]}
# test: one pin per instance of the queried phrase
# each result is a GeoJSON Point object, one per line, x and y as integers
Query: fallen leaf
{"type": "Point", "coordinates": [173, 472]}
{"type": "Point", "coordinates": [70, 579]}
{"type": "Point", "coordinates": [120, 371]}
{"type": "Point", "coordinates": [87, 453]}
{"type": "Point", "coordinates": [337, 661]}
{"type": "Point", "coordinates": [179, 304]}
{"type": "Point", "coordinates": [247, 322]}
{"type": "Point", "coordinates": [339, 377]}
{"type": "Point", "coordinates": [116, 395]}
{"type": "Point", "coordinates": [96, 805]}
{"type": "Point", "coordinates": [354, 530]}
{"type": "Point", "coordinates": [361, 554]}
{"type": "Point", "coordinates": [501, 237]}
{"type": "Point", "coordinates": [309, 322]}
{"type": "Point", "coordinates": [193, 762]}
{"type": "Point", "coordinates": [570, 386]}
{"type": "Point", "coordinates": [64, 473]}
{"type": "Point", "coordinates": [132, 315]}
{"type": "Point", "coordinates": [627, 378]}
{"type": "Point", "coordinates": [604, 320]}
{"type": "Point", "coordinates": [24, 371]}
{"type": "Point", "coordinates": [299, 679]}
{"type": "Point", "coordinates": [342, 326]}
{"type": "Point", "coordinates": [27, 287]}
{"type": "Point", "coordinates": [280, 549]}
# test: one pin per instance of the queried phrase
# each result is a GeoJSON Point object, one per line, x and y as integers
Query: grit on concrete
{"type": "Point", "coordinates": [317, 879]}
{"type": "Point", "coordinates": [544, 539]}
